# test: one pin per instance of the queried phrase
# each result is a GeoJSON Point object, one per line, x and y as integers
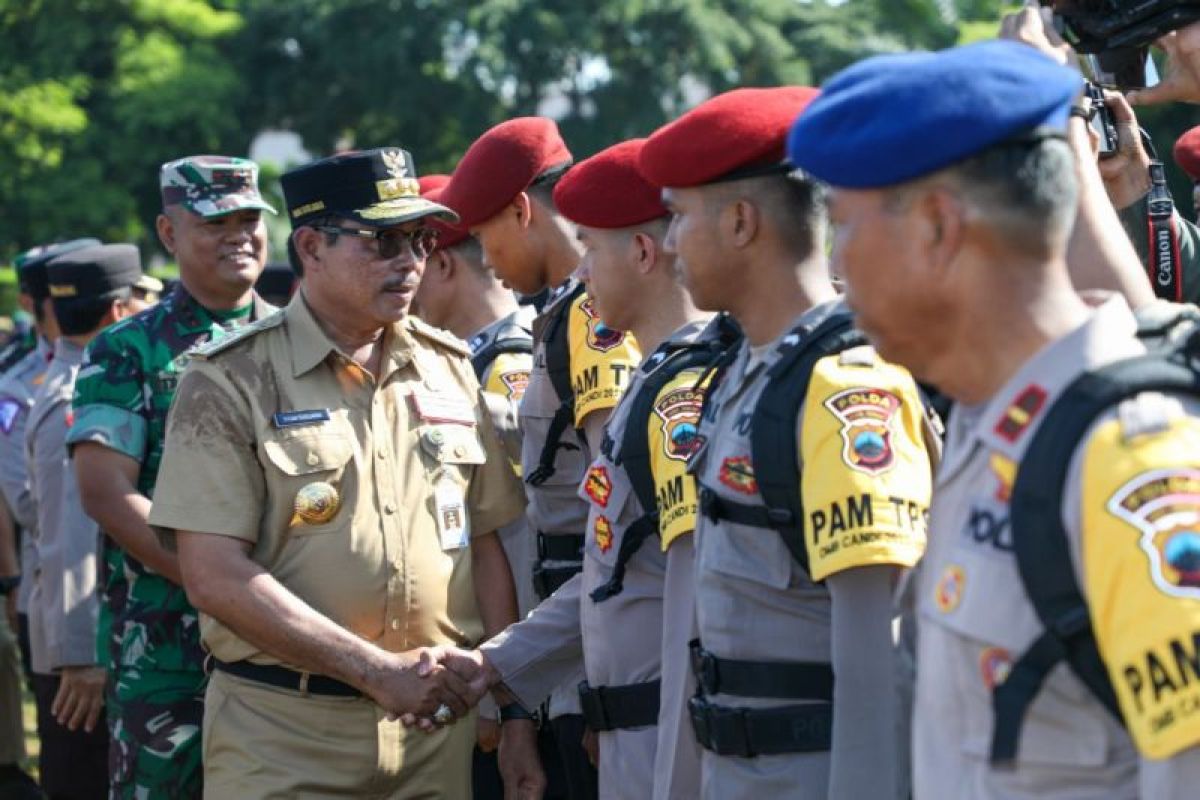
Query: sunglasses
{"type": "Point", "coordinates": [392, 242]}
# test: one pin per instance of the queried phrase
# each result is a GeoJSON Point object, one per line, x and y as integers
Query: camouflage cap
{"type": "Point", "coordinates": [211, 186]}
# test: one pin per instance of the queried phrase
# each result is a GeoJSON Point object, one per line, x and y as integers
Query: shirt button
{"type": "Point", "coordinates": [312, 459]}
{"type": "Point", "coordinates": [460, 451]}
{"type": "Point", "coordinates": [395, 623]}
{"type": "Point", "coordinates": [389, 509]}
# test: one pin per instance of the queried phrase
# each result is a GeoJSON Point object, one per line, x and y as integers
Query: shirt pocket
{"type": "Point", "coordinates": [991, 627]}
{"type": "Point", "coordinates": [746, 554]}
{"type": "Point", "coordinates": [451, 450]}
{"type": "Point", "coordinates": [305, 465]}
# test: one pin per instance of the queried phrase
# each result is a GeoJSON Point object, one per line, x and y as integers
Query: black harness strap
{"type": "Point", "coordinates": [635, 450]}
{"type": "Point", "coordinates": [558, 367]}
{"type": "Point", "coordinates": [1040, 541]}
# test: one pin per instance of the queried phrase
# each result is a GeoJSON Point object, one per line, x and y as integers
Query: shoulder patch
{"type": "Point", "coordinates": [10, 409]}
{"type": "Point", "coordinates": [236, 336]}
{"type": "Point", "coordinates": [599, 336]}
{"type": "Point", "coordinates": [444, 338]}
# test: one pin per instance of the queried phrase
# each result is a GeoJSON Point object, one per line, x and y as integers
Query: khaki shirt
{"type": "Point", "coordinates": [64, 604]}
{"type": "Point", "coordinates": [865, 483]}
{"type": "Point", "coordinates": [975, 619]}
{"type": "Point", "coordinates": [242, 444]}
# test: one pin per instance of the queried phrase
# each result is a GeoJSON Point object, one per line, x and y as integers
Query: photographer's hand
{"type": "Point", "coordinates": [1182, 80]}
{"type": "Point", "coordinates": [1126, 172]}
{"type": "Point", "coordinates": [1033, 25]}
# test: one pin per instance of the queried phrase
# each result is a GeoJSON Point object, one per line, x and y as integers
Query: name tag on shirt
{"type": "Point", "coordinates": [288, 419]}
{"type": "Point", "coordinates": [453, 526]}
{"type": "Point", "coordinates": [443, 407]}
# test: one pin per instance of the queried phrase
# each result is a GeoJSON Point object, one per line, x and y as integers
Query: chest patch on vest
{"type": "Point", "coordinates": [598, 485]}
{"type": "Point", "coordinates": [10, 409]}
{"type": "Point", "coordinates": [738, 474]}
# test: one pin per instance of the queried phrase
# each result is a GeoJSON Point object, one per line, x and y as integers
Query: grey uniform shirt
{"type": "Point", "coordinates": [619, 639]}
{"type": "Point", "coordinates": [975, 620]}
{"type": "Point", "coordinates": [754, 602]}
{"type": "Point", "coordinates": [64, 604]}
{"type": "Point", "coordinates": [17, 388]}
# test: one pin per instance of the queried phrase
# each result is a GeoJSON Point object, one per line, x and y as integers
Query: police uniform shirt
{"type": "Point", "coordinates": [865, 485]}
{"type": "Point", "coordinates": [601, 363]}
{"type": "Point", "coordinates": [64, 604]}
{"type": "Point", "coordinates": [621, 636]}
{"type": "Point", "coordinates": [275, 413]}
{"type": "Point", "coordinates": [975, 618]}
{"type": "Point", "coordinates": [17, 388]}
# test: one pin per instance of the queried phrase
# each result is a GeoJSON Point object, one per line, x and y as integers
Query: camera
{"type": "Point", "coordinates": [1102, 121]}
{"type": "Point", "coordinates": [1114, 36]}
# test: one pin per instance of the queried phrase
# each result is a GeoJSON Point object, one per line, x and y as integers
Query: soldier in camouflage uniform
{"type": "Point", "coordinates": [212, 224]}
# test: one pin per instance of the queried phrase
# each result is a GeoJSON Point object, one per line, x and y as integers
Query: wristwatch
{"type": "Point", "coordinates": [514, 711]}
{"type": "Point", "coordinates": [8, 583]}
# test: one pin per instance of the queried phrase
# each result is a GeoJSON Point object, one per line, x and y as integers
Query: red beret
{"type": "Point", "coordinates": [608, 191]}
{"type": "Point", "coordinates": [502, 163]}
{"type": "Point", "coordinates": [1187, 153]}
{"type": "Point", "coordinates": [724, 137]}
{"type": "Point", "coordinates": [448, 235]}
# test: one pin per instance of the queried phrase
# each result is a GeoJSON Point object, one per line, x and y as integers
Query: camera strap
{"type": "Point", "coordinates": [1165, 266]}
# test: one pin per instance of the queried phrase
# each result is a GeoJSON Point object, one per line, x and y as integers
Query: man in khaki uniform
{"type": "Point", "coordinates": [502, 190]}
{"type": "Point", "coordinates": [955, 261]}
{"type": "Point", "coordinates": [335, 483]}
{"type": "Point", "coordinates": [612, 614]}
{"type": "Point", "coordinates": [796, 659]}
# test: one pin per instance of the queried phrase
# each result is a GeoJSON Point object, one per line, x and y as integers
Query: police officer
{"type": "Point", "coordinates": [502, 191]}
{"type": "Point", "coordinates": [612, 614]}
{"type": "Point", "coordinates": [90, 288]}
{"type": "Point", "coordinates": [954, 198]}
{"type": "Point", "coordinates": [1187, 156]}
{"type": "Point", "coordinates": [796, 660]}
{"type": "Point", "coordinates": [459, 293]}
{"type": "Point", "coordinates": [212, 223]}
{"type": "Point", "coordinates": [336, 482]}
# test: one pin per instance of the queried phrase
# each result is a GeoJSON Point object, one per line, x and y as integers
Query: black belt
{"type": "Point", "coordinates": [607, 708]}
{"type": "Point", "coordinates": [288, 679]}
{"type": "Point", "coordinates": [749, 732]}
{"type": "Point", "coordinates": [559, 546]}
{"type": "Point", "coordinates": [547, 580]}
{"type": "Point", "coordinates": [789, 680]}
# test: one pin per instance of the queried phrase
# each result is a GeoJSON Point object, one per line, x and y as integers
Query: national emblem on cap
{"type": "Point", "coordinates": [211, 186]}
{"type": "Point", "coordinates": [448, 235]}
{"type": "Point", "coordinates": [894, 118]}
{"type": "Point", "coordinates": [738, 134]}
{"type": "Point", "coordinates": [375, 187]}
{"type": "Point", "coordinates": [1187, 153]}
{"type": "Point", "coordinates": [501, 163]}
{"type": "Point", "coordinates": [608, 191]}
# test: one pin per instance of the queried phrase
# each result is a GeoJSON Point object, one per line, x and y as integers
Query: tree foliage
{"type": "Point", "coordinates": [95, 94]}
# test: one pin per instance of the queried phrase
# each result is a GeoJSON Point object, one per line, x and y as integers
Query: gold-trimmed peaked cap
{"type": "Point", "coordinates": [375, 187]}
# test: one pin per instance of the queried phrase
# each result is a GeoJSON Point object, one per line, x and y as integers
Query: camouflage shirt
{"type": "Point", "coordinates": [124, 390]}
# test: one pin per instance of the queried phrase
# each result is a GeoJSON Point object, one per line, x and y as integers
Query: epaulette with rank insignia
{"type": "Point", "coordinates": [210, 349]}
{"type": "Point", "coordinates": [442, 337]}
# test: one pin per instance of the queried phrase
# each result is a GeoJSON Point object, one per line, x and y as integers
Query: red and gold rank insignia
{"type": "Point", "coordinates": [1164, 505]}
{"type": "Point", "coordinates": [679, 411]}
{"type": "Point", "coordinates": [598, 485]}
{"type": "Point", "coordinates": [866, 415]}
{"type": "Point", "coordinates": [737, 472]}
{"type": "Point", "coordinates": [600, 336]}
{"type": "Point", "coordinates": [1005, 470]}
{"type": "Point", "coordinates": [1021, 412]}
{"type": "Point", "coordinates": [516, 381]}
{"type": "Point", "coordinates": [603, 531]}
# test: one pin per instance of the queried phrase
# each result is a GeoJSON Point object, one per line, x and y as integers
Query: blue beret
{"type": "Point", "coordinates": [893, 118]}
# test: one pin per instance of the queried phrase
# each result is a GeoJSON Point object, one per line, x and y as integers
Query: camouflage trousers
{"type": "Point", "coordinates": [154, 729]}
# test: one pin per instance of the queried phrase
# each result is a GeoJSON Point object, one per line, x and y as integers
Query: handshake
{"type": "Point", "coordinates": [431, 686]}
